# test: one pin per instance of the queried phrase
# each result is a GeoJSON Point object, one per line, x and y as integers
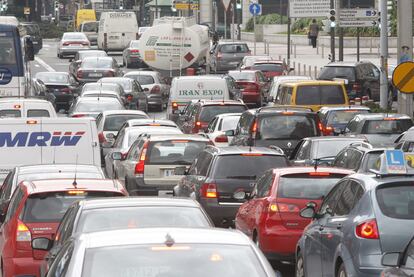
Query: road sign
{"type": "Point", "coordinates": [184, 6]}
{"type": "Point", "coordinates": [357, 17]}
{"type": "Point", "coordinates": [255, 9]}
{"type": "Point", "coordinates": [356, 23]}
{"type": "Point", "coordinates": [403, 77]}
{"type": "Point", "coordinates": [226, 4]}
{"type": "Point", "coordinates": [26, 10]}
{"type": "Point", "coordinates": [309, 8]}
{"type": "Point", "coordinates": [62, 6]}
{"type": "Point", "coordinates": [395, 161]}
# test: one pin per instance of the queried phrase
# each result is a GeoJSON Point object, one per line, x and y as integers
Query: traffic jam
{"type": "Point", "coordinates": [193, 157]}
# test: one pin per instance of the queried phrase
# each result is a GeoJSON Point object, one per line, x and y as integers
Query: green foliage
{"type": "Point", "coordinates": [51, 30]}
{"type": "Point", "coordinates": [268, 19]}
{"type": "Point", "coordinates": [375, 108]}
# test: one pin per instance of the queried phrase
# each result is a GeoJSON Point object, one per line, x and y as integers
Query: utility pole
{"type": "Point", "coordinates": [213, 15]}
{"type": "Point", "coordinates": [405, 38]}
{"type": "Point", "coordinates": [288, 34]}
{"type": "Point", "coordinates": [384, 54]}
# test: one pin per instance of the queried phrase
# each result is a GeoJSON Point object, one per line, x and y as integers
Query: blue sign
{"type": "Point", "coordinates": [395, 161]}
{"type": "Point", "coordinates": [5, 76]}
{"type": "Point", "coordinates": [255, 9]}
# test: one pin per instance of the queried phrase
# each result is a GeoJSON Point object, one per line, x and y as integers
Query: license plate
{"type": "Point", "coordinates": [169, 172]}
{"type": "Point", "coordinates": [95, 74]}
{"type": "Point", "coordinates": [165, 193]}
{"type": "Point", "coordinates": [75, 45]}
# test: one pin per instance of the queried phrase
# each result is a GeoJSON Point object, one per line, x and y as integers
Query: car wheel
{"type": "Point", "coordinates": [300, 269]}
{"type": "Point", "coordinates": [341, 271]}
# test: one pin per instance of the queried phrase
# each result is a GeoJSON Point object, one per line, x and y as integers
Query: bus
{"type": "Point", "coordinates": [16, 50]}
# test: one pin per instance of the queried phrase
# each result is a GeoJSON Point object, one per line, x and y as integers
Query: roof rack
{"type": "Point", "coordinates": [362, 144]}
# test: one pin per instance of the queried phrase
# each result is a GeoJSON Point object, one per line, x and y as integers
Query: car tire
{"type": "Point", "coordinates": [299, 268]}
{"type": "Point", "coordinates": [341, 271]}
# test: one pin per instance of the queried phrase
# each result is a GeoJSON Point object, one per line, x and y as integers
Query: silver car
{"type": "Point", "coordinates": [94, 68]}
{"type": "Point", "coordinates": [227, 56]}
{"type": "Point", "coordinates": [157, 252]}
{"type": "Point", "coordinates": [71, 43]}
{"type": "Point", "coordinates": [155, 85]}
{"type": "Point", "coordinates": [76, 62]}
{"type": "Point", "coordinates": [131, 55]}
{"type": "Point", "coordinates": [93, 106]}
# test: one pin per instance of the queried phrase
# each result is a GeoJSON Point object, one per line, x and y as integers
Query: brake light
{"type": "Point", "coordinates": [389, 118]}
{"type": "Point", "coordinates": [367, 230]}
{"type": "Point", "coordinates": [221, 139]}
{"type": "Point", "coordinates": [101, 137]}
{"type": "Point", "coordinates": [156, 89]}
{"type": "Point", "coordinates": [78, 115]}
{"type": "Point", "coordinates": [109, 73]}
{"type": "Point", "coordinates": [320, 126]}
{"type": "Point", "coordinates": [198, 123]}
{"type": "Point", "coordinates": [174, 105]}
{"type": "Point", "coordinates": [85, 43]}
{"type": "Point", "coordinates": [209, 190]}
{"type": "Point", "coordinates": [23, 233]}
{"type": "Point", "coordinates": [79, 74]}
{"type": "Point", "coordinates": [140, 166]}
{"type": "Point", "coordinates": [315, 173]}
{"type": "Point", "coordinates": [327, 131]}
{"type": "Point", "coordinates": [134, 51]}
{"type": "Point", "coordinates": [287, 113]}
{"type": "Point", "coordinates": [17, 106]}
{"type": "Point", "coordinates": [283, 208]}
{"type": "Point", "coordinates": [76, 192]}
{"type": "Point", "coordinates": [66, 44]}
{"type": "Point", "coordinates": [31, 122]}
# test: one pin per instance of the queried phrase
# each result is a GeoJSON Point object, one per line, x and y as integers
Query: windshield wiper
{"type": "Point", "coordinates": [251, 177]}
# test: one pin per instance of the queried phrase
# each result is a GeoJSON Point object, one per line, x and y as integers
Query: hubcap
{"type": "Point", "coordinates": [299, 268]}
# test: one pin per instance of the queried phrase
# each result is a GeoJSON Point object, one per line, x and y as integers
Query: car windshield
{"type": "Point", "coordinates": [330, 148]}
{"type": "Point", "coordinates": [234, 48]}
{"type": "Point", "coordinates": [101, 86]}
{"type": "Point", "coordinates": [174, 152]}
{"type": "Point", "coordinates": [151, 130]}
{"type": "Point", "coordinates": [134, 44]}
{"type": "Point", "coordinates": [342, 72]}
{"type": "Point", "coordinates": [229, 123]}
{"type": "Point", "coordinates": [96, 63]}
{"type": "Point", "coordinates": [246, 166]}
{"type": "Point", "coordinates": [7, 51]}
{"type": "Point", "coordinates": [124, 83]}
{"type": "Point", "coordinates": [320, 95]}
{"type": "Point", "coordinates": [90, 27]}
{"type": "Point", "coordinates": [74, 36]}
{"type": "Point", "coordinates": [141, 217]}
{"type": "Point", "coordinates": [10, 113]}
{"type": "Point", "coordinates": [206, 260]}
{"type": "Point", "coordinates": [51, 206]}
{"type": "Point", "coordinates": [209, 112]}
{"type": "Point", "coordinates": [306, 186]}
{"type": "Point", "coordinates": [87, 54]}
{"type": "Point", "coordinates": [396, 200]}
{"type": "Point", "coordinates": [98, 106]}
{"type": "Point", "coordinates": [142, 79]}
{"type": "Point", "coordinates": [389, 126]}
{"type": "Point", "coordinates": [59, 175]}
{"type": "Point", "coordinates": [243, 76]}
{"type": "Point", "coordinates": [114, 122]}
{"type": "Point", "coordinates": [272, 67]}
{"type": "Point", "coordinates": [53, 78]}
{"type": "Point", "coordinates": [287, 127]}
{"type": "Point", "coordinates": [343, 116]}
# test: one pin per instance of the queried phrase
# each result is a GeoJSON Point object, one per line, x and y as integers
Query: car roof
{"type": "Point", "coordinates": [91, 51]}
{"type": "Point", "coordinates": [290, 78]}
{"type": "Point", "coordinates": [112, 202]}
{"type": "Point", "coordinates": [221, 42]}
{"type": "Point", "coordinates": [103, 92]}
{"type": "Point", "coordinates": [309, 169]}
{"type": "Point", "coordinates": [372, 181]}
{"type": "Point", "coordinates": [344, 64]}
{"type": "Point", "coordinates": [44, 168]}
{"type": "Point", "coordinates": [373, 116]}
{"type": "Point", "coordinates": [343, 108]}
{"type": "Point", "coordinates": [22, 100]}
{"type": "Point", "coordinates": [335, 138]}
{"type": "Point", "coordinates": [144, 121]}
{"type": "Point", "coordinates": [97, 58]}
{"type": "Point", "coordinates": [244, 70]}
{"type": "Point", "coordinates": [220, 102]}
{"type": "Point", "coordinates": [164, 137]}
{"type": "Point", "coordinates": [312, 82]}
{"type": "Point", "coordinates": [141, 72]}
{"type": "Point", "coordinates": [235, 150]}
{"type": "Point", "coordinates": [97, 99]}
{"type": "Point", "coordinates": [201, 77]}
{"type": "Point", "coordinates": [228, 115]}
{"type": "Point", "coordinates": [270, 61]}
{"type": "Point", "coordinates": [40, 186]}
{"type": "Point", "coordinates": [120, 112]}
{"type": "Point", "coordinates": [115, 78]}
{"type": "Point", "coordinates": [158, 236]}
{"type": "Point", "coordinates": [280, 110]}
{"type": "Point", "coordinates": [364, 147]}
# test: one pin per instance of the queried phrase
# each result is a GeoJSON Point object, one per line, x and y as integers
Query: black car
{"type": "Point", "coordinates": [360, 157]}
{"type": "Point", "coordinates": [33, 30]}
{"type": "Point", "coordinates": [218, 173]}
{"type": "Point", "coordinates": [363, 78]}
{"type": "Point", "coordinates": [283, 127]}
{"type": "Point", "coordinates": [62, 85]}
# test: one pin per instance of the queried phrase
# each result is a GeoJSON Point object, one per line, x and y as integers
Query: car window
{"type": "Point", "coordinates": [14, 203]}
{"type": "Point", "coordinates": [350, 195]}
{"type": "Point", "coordinates": [38, 113]}
{"type": "Point", "coordinates": [270, 67]}
{"type": "Point", "coordinates": [264, 185]}
{"type": "Point", "coordinates": [331, 199]}
{"type": "Point", "coordinates": [181, 152]}
{"type": "Point", "coordinates": [386, 126]}
{"type": "Point", "coordinates": [352, 125]}
{"type": "Point", "coordinates": [201, 165]}
{"type": "Point", "coordinates": [228, 123]}
{"type": "Point", "coordinates": [331, 72]}
{"type": "Point", "coordinates": [62, 261]}
{"type": "Point", "coordinates": [304, 151]}
{"type": "Point", "coordinates": [320, 95]}
{"type": "Point", "coordinates": [114, 122]}
{"type": "Point", "coordinates": [343, 117]}
{"type": "Point", "coordinates": [10, 113]}
{"type": "Point", "coordinates": [62, 232]}
{"type": "Point", "coordinates": [244, 124]}
{"type": "Point", "coordinates": [234, 48]}
{"type": "Point", "coordinates": [212, 125]}
{"type": "Point", "coordinates": [210, 111]}
{"type": "Point", "coordinates": [280, 126]}
{"type": "Point", "coordinates": [396, 200]}
{"type": "Point", "coordinates": [134, 150]}
{"type": "Point", "coordinates": [6, 188]}
{"type": "Point", "coordinates": [119, 139]}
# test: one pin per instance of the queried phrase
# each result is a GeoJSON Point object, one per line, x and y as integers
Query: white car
{"type": "Point", "coordinates": [71, 43]}
{"type": "Point", "coordinates": [219, 125]}
{"type": "Point", "coordinates": [104, 93]}
{"type": "Point", "coordinates": [279, 80]}
{"type": "Point", "coordinates": [26, 107]}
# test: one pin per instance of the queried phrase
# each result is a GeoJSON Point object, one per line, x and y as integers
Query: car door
{"type": "Point", "coordinates": [6, 191]}
{"type": "Point", "coordinates": [142, 97]}
{"type": "Point", "coordinates": [312, 252]}
{"type": "Point", "coordinates": [337, 225]}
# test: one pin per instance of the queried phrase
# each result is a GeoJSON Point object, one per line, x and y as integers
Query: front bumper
{"type": "Point", "coordinates": [21, 267]}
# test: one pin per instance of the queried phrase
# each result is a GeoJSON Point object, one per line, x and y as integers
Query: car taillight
{"type": "Point", "coordinates": [129, 98]}
{"type": "Point", "coordinates": [78, 115]}
{"type": "Point", "coordinates": [367, 230]}
{"type": "Point", "coordinates": [136, 51]}
{"type": "Point", "coordinates": [140, 166]}
{"type": "Point", "coordinates": [255, 128]}
{"type": "Point", "coordinates": [23, 233]}
{"type": "Point", "coordinates": [174, 105]}
{"type": "Point", "coordinates": [79, 74]}
{"type": "Point", "coordinates": [85, 43]}
{"type": "Point", "coordinates": [101, 137]}
{"type": "Point", "coordinates": [156, 89]}
{"type": "Point", "coordinates": [221, 138]}
{"type": "Point", "coordinates": [327, 131]}
{"type": "Point", "coordinates": [219, 55]}
{"type": "Point", "coordinates": [66, 44]}
{"type": "Point", "coordinates": [283, 208]}
{"type": "Point", "coordinates": [109, 73]}
{"type": "Point", "coordinates": [209, 190]}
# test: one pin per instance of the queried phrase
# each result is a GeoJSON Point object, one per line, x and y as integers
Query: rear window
{"type": "Point", "coordinates": [287, 127]}
{"type": "Point", "coordinates": [10, 113]}
{"type": "Point", "coordinates": [209, 112]}
{"type": "Point", "coordinates": [243, 76]}
{"type": "Point", "coordinates": [142, 79]}
{"type": "Point", "coordinates": [114, 122]}
{"type": "Point", "coordinates": [229, 123]}
{"type": "Point", "coordinates": [320, 95]}
{"type": "Point", "coordinates": [342, 72]}
{"type": "Point", "coordinates": [387, 126]}
{"type": "Point", "coordinates": [343, 117]}
{"type": "Point", "coordinates": [51, 206]}
{"type": "Point", "coordinates": [306, 186]}
{"type": "Point", "coordinates": [96, 63]}
{"type": "Point", "coordinates": [234, 48]}
{"type": "Point", "coordinates": [38, 113]}
{"type": "Point", "coordinates": [272, 67]}
{"type": "Point", "coordinates": [90, 27]}
{"type": "Point", "coordinates": [53, 78]}
{"type": "Point", "coordinates": [98, 106]}
{"type": "Point", "coordinates": [397, 200]}
{"type": "Point", "coordinates": [247, 166]}
{"type": "Point", "coordinates": [174, 152]}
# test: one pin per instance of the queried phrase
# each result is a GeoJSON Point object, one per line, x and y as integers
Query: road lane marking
{"type": "Point", "coordinates": [45, 65]}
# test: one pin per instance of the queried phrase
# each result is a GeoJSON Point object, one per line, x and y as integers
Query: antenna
{"type": "Point", "coordinates": [76, 170]}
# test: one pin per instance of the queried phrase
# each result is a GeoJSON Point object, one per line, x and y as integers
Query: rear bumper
{"type": "Point", "coordinates": [250, 98]}
{"type": "Point", "coordinates": [154, 99]}
{"type": "Point", "coordinates": [21, 267]}
{"type": "Point", "coordinates": [137, 186]}
{"type": "Point", "coordinates": [71, 50]}
{"type": "Point", "coordinates": [63, 99]}
{"type": "Point", "coordinates": [222, 214]}
{"type": "Point", "coordinates": [279, 243]}
{"type": "Point", "coordinates": [226, 66]}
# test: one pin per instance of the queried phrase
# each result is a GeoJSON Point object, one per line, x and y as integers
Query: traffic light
{"type": "Point", "coordinates": [238, 4]}
{"type": "Point", "coordinates": [121, 4]}
{"type": "Point", "coordinates": [332, 18]}
{"type": "Point", "coordinates": [56, 5]}
{"type": "Point", "coordinates": [173, 2]}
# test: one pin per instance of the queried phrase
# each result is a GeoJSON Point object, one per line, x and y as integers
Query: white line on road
{"type": "Point", "coordinates": [44, 64]}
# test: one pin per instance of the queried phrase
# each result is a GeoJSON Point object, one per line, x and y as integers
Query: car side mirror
{"type": "Point", "coordinates": [391, 259]}
{"type": "Point", "coordinates": [44, 244]}
{"type": "Point", "coordinates": [309, 211]}
{"type": "Point", "coordinates": [116, 156]}
{"type": "Point", "coordinates": [230, 133]}
{"type": "Point", "coordinates": [180, 171]}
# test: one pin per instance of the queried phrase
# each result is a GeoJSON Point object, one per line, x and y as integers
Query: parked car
{"type": "Point", "coordinates": [71, 43]}
{"type": "Point", "coordinates": [76, 62]}
{"type": "Point", "coordinates": [254, 86]}
{"type": "Point", "coordinates": [363, 78]}
{"type": "Point", "coordinates": [93, 106]}
{"type": "Point", "coordinates": [227, 55]}
{"type": "Point", "coordinates": [131, 55]}
{"type": "Point", "coordinates": [216, 129]}
{"type": "Point", "coordinates": [93, 69]}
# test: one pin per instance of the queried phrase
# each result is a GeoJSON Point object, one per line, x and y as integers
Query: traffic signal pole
{"type": "Point", "coordinates": [332, 31]}
{"type": "Point", "coordinates": [384, 55]}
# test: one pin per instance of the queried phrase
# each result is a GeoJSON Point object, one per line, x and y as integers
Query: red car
{"type": "Point", "coordinates": [35, 210]}
{"type": "Point", "coordinates": [254, 86]}
{"type": "Point", "coordinates": [271, 68]}
{"type": "Point", "coordinates": [271, 216]}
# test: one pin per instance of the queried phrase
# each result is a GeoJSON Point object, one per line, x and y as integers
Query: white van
{"type": "Point", "coordinates": [30, 141]}
{"type": "Point", "coordinates": [26, 107]}
{"type": "Point", "coordinates": [116, 30]}
{"type": "Point", "coordinates": [188, 88]}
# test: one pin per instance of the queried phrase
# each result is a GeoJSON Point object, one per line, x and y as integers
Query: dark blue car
{"type": "Point", "coordinates": [335, 119]}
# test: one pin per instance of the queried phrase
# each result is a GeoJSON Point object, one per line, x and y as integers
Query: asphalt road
{"type": "Point", "coordinates": [47, 60]}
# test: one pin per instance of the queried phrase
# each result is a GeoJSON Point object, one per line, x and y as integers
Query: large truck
{"type": "Point", "coordinates": [173, 44]}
